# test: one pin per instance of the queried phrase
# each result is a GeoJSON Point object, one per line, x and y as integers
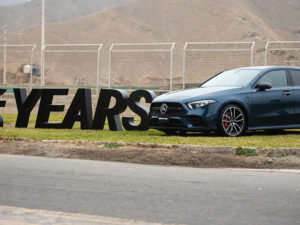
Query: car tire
{"type": "Point", "coordinates": [232, 121]}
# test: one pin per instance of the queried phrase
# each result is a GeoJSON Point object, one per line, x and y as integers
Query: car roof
{"type": "Point", "coordinates": [268, 67]}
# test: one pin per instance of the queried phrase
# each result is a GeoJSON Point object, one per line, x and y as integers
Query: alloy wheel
{"type": "Point", "coordinates": [233, 121]}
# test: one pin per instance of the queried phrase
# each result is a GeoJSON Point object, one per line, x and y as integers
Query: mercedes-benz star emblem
{"type": "Point", "coordinates": [163, 108]}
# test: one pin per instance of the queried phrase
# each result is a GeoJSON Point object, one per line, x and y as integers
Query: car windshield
{"type": "Point", "coordinates": [232, 78]}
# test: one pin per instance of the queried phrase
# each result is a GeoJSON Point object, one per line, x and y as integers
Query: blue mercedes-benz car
{"type": "Point", "coordinates": [251, 98]}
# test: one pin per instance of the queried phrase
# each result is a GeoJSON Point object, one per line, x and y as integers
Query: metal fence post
{"type": "Point", "coordinates": [109, 66]}
{"type": "Point", "coordinates": [4, 64]}
{"type": "Point", "coordinates": [31, 65]}
{"type": "Point", "coordinates": [171, 67]}
{"type": "Point", "coordinates": [183, 66]}
{"type": "Point", "coordinates": [98, 69]}
{"type": "Point", "coordinates": [252, 54]}
{"type": "Point", "coordinates": [4, 54]}
{"type": "Point", "coordinates": [43, 66]}
{"type": "Point", "coordinates": [266, 53]}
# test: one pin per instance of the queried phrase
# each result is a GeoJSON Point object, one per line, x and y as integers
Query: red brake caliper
{"type": "Point", "coordinates": [226, 119]}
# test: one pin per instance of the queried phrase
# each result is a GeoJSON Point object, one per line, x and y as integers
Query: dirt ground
{"type": "Point", "coordinates": [170, 155]}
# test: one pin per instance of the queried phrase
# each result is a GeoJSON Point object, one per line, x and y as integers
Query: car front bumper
{"type": "Point", "coordinates": [200, 119]}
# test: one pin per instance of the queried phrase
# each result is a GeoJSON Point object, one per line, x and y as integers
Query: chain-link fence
{"type": "Point", "coordinates": [282, 53]}
{"type": "Point", "coordinates": [141, 66]}
{"type": "Point", "coordinates": [17, 67]}
{"type": "Point", "coordinates": [202, 60]}
{"type": "Point", "coordinates": [71, 65]}
{"type": "Point", "coordinates": [133, 66]}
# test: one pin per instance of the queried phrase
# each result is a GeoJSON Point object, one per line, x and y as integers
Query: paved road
{"type": "Point", "coordinates": [151, 193]}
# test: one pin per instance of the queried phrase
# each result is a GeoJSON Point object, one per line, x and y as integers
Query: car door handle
{"type": "Point", "coordinates": [286, 93]}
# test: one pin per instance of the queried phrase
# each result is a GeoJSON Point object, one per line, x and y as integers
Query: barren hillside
{"type": "Point", "coordinates": [177, 20]}
{"type": "Point", "coordinates": [28, 13]}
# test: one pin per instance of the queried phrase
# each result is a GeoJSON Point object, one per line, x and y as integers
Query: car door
{"type": "Point", "coordinates": [295, 76]}
{"type": "Point", "coordinates": [273, 107]}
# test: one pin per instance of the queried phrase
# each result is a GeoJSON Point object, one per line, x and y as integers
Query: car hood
{"type": "Point", "coordinates": [195, 94]}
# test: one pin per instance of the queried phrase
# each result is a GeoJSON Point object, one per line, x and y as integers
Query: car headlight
{"type": "Point", "coordinates": [198, 104]}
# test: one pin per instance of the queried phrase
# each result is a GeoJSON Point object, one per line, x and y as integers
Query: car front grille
{"type": "Point", "coordinates": [173, 109]}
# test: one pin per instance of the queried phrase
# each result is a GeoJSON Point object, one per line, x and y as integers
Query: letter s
{"type": "Point", "coordinates": [136, 106]}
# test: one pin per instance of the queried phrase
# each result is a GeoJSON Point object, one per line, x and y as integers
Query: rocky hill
{"type": "Point", "coordinates": [170, 20]}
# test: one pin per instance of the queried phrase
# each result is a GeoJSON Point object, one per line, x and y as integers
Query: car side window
{"type": "Point", "coordinates": [296, 77]}
{"type": "Point", "coordinates": [276, 78]}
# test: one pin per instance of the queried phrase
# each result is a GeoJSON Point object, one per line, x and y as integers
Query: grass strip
{"type": "Point", "coordinates": [260, 139]}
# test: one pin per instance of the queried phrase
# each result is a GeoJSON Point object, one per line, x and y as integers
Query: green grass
{"type": "Point", "coordinates": [290, 139]}
{"type": "Point", "coordinates": [245, 151]}
{"type": "Point", "coordinates": [113, 145]}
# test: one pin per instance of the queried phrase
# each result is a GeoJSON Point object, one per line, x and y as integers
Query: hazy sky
{"type": "Point", "coordinates": [11, 2]}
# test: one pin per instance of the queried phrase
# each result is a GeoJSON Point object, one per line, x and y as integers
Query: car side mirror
{"type": "Point", "coordinates": [263, 86]}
